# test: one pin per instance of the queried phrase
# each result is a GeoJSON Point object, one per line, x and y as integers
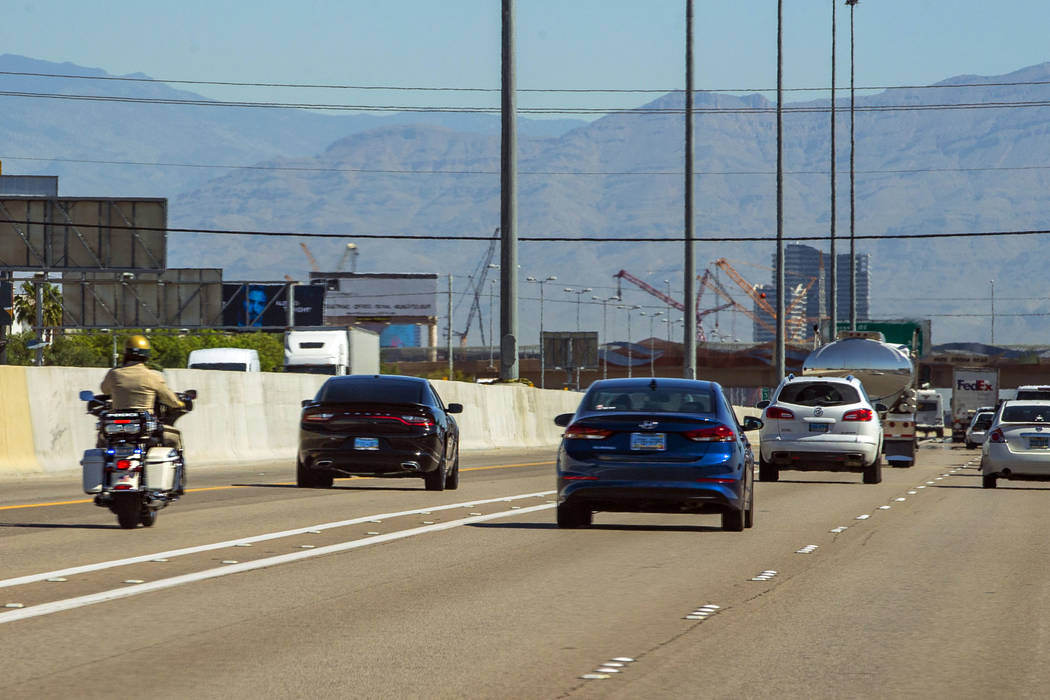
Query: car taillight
{"type": "Point", "coordinates": [997, 435]}
{"type": "Point", "coordinates": [859, 414]}
{"type": "Point", "coordinates": [318, 417]}
{"type": "Point", "coordinates": [421, 421]}
{"type": "Point", "coordinates": [586, 432]}
{"type": "Point", "coordinates": [777, 412]}
{"type": "Point", "coordinates": [718, 433]}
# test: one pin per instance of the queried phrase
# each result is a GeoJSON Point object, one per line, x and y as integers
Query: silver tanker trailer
{"type": "Point", "coordinates": [888, 374]}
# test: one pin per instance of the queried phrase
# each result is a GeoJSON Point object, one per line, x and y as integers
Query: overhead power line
{"type": "Point", "coordinates": [634, 111]}
{"type": "Point", "coordinates": [540, 239]}
{"type": "Point", "coordinates": [405, 88]}
{"type": "Point", "coordinates": [390, 171]}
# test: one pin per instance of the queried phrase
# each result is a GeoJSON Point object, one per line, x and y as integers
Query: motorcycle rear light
{"type": "Point", "coordinates": [997, 435]}
{"type": "Point", "coordinates": [780, 413]}
{"type": "Point", "coordinates": [126, 464]}
{"type": "Point", "coordinates": [586, 432]}
{"type": "Point", "coordinates": [859, 414]}
{"type": "Point", "coordinates": [718, 433]}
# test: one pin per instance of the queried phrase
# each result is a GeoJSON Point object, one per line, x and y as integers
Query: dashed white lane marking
{"type": "Point", "coordinates": [163, 556]}
{"type": "Point", "coordinates": [884, 507]}
{"type": "Point", "coordinates": [808, 549]}
{"type": "Point", "coordinates": [840, 528]}
{"type": "Point", "coordinates": [117, 593]}
{"type": "Point", "coordinates": [863, 517]}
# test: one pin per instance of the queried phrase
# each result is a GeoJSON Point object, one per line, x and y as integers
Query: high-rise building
{"type": "Point", "coordinates": [807, 271]}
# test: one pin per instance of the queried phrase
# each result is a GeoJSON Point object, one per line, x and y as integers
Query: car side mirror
{"type": "Point", "coordinates": [752, 423]}
{"type": "Point", "coordinates": [454, 408]}
{"type": "Point", "coordinates": [562, 420]}
{"type": "Point", "coordinates": [86, 395]}
{"type": "Point", "coordinates": [191, 394]}
{"type": "Point", "coordinates": [762, 404]}
{"type": "Point", "coordinates": [306, 402]}
{"type": "Point", "coordinates": [881, 407]}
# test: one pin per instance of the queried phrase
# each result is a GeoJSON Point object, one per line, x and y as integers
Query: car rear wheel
{"type": "Point", "coordinates": [873, 472]}
{"type": "Point", "coordinates": [435, 480]}
{"type": "Point", "coordinates": [767, 471]}
{"type": "Point", "coordinates": [452, 478]}
{"type": "Point", "coordinates": [306, 478]}
{"type": "Point", "coordinates": [988, 481]}
{"type": "Point", "coordinates": [733, 520]}
{"type": "Point", "coordinates": [971, 446]}
{"type": "Point", "coordinates": [572, 516]}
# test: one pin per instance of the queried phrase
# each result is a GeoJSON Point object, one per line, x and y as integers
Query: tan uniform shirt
{"type": "Point", "coordinates": [135, 386]}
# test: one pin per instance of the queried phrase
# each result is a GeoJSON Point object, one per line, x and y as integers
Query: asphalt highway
{"type": "Point", "coordinates": [923, 585]}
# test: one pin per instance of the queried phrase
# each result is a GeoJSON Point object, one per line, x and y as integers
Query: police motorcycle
{"type": "Point", "coordinates": [131, 471]}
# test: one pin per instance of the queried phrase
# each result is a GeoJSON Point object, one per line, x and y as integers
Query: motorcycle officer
{"type": "Point", "coordinates": [134, 386]}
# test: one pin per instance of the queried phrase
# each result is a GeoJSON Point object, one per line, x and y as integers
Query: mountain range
{"type": "Point", "coordinates": [965, 155]}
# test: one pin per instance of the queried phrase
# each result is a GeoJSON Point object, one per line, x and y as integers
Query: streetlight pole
{"type": "Point", "coordinates": [652, 340]}
{"type": "Point", "coordinates": [579, 296]}
{"type": "Point", "coordinates": [779, 351]}
{"type": "Point", "coordinates": [852, 183]}
{"type": "Point", "coordinates": [605, 335]}
{"type": "Point", "coordinates": [833, 300]}
{"type": "Point", "coordinates": [543, 367]}
{"type": "Point", "coordinates": [630, 358]}
{"type": "Point", "coordinates": [993, 311]}
{"type": "Point", "coordinates": [492, 340]}
{"type": "Point", "coordinates": [689, 283]}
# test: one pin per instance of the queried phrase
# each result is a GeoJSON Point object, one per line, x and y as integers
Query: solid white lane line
{"type": "Point", "coordinates": [117, 593]}
{"type": "Point", "coordinates": [312, 529]}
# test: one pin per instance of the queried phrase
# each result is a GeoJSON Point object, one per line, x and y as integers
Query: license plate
{"type": "Point", "coordinates": [366, 443]}
{"type": "Point", "coordinates": [819, 427]}
{"type": "Point", "coordinates": [649, 441]}
{"type": "Point", "coordinates": [1038, 443]}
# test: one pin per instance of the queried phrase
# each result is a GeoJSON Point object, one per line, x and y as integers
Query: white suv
{"type": "Point", "coordinates": [821, 424]}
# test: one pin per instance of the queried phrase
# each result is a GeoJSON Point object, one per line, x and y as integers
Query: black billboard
{"type": "Point", "coordinates": [262, 305]}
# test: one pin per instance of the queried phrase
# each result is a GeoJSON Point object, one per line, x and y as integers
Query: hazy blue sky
{"type": "Point", "coordinates": [561, 44]}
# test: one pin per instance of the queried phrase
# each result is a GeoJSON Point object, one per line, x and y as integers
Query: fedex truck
{"type": "Point", "coordinates": [971, 389]}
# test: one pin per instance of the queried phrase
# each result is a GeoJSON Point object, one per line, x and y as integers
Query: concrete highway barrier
{"type": "Point", "coordinates": [245, 417]}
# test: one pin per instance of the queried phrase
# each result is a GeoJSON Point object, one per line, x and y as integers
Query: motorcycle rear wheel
{"type": "Point", "coordinates": [128, 507]}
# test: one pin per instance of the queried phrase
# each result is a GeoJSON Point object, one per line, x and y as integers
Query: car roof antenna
{"type": "Point", "coordinates": [652, 383]}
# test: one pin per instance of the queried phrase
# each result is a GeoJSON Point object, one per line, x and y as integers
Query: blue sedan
{"type": "Point", "coordinates": [655, 446]}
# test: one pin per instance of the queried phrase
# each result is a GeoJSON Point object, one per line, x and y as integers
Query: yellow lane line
{"type": "Point", "coordinates": [289, 483]}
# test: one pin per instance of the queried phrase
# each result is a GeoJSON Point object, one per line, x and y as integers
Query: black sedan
{"type": "Point", "coordinates": [655, 446]}
{"type": "Point", "coordinates": [378, 425]}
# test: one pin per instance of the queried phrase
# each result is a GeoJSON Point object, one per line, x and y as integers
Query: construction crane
{"type": "Point", "coordinates": [670, 301]}
{"type": "Point", "coordinates": [310, 256]}
{"type": "Point", "coordinates": [721, 291]}
{"type": "Point", "coordinates": [477, 287]}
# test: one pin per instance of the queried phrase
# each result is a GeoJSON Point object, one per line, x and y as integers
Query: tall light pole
{"type": "Point", "coordinates": [605, 336]}
{"type": "Point", "coordinates": [652, 340]}
{"type": "Point", "coordinates": [543, 367]}
{"type": "Point", "coordinates": [992, 282]}
{"type": "Point", "coordinates": [579, 295]}
{"type": "Point", "coordinates": [630, 358]}
{"type": "Point", "coordinates": [508, 219]}
{"type": "Point", "coordinates": [492, 339]}
{"type": "Point", "coordinates": [833, 300]}
{"type": "Point", "coordinates": [689, 288]}
{"type": "Point", "coordinates": [779, 354]}
{"type": "Point", "coordinates": [852, 181]}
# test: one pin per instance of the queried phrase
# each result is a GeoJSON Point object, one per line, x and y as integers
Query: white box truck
{"type": "Point", "coordinates": [331, 350]}
{"type": "Point", "coordinates": [972, 388]}
{"type": "Point", "coordinates": [230, 359]}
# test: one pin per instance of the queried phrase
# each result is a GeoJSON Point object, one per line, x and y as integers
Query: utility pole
{"type": "Point", "coordinates": [689, 328]}
{"type": "Point", "coordinates": [451, 376]}
{"type": "Point", "coordinates": [833, 296]}
{"type": "Point", "coordinates": [508, 350]}
{"type": "Point", "coordinates": [779, 361]}
{"type": "Point", "coordinates": [852, 179]}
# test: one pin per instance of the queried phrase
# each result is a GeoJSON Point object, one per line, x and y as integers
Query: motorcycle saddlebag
{"type": "Point", "coordinates": [160, 468]}
{"type": "Point", "coordinates": [94, 467]}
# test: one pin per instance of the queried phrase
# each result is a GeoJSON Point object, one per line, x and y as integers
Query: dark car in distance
{"type": "Point", "coordinates": [380, 426]}
{"type": "Point", "coordinates": [655, 446]}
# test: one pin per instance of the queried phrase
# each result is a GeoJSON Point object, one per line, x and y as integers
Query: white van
{"type": "Point", "coordinates": [229, 359]}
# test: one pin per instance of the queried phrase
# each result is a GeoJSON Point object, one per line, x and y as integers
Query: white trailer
{"type": "Point", "coordinates": [331, 350]}
{"type": "Point", "coordinates": [229, 359]}
{"type": "Point", "coordinates": [929, 412]}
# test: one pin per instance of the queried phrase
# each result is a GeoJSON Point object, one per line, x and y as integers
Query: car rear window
{"type": "Point", "coordinates": [1025, 414]}
{"type": "Point", "coordinates": [927, 406]}
{"type": "Point", "coordinates": [983, 421]}
{"type": "Point", "coordinates": [818, 394]}
{"type": "Point", "coordinates": [661, 401]}
{"type": "Point", "coordinates": [371, 391]}
{"type": "Point", "coordinates": [1033, 394]}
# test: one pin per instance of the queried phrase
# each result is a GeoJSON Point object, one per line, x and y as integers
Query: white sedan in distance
{"type": "Point", "coordinates": [1018, 444]}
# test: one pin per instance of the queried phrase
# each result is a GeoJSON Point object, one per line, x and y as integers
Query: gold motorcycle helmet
{"type": "Point", "coordinates": [136, 347]}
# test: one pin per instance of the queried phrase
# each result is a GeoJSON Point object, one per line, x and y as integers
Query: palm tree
{"type": "Point", "coordinates": [24, 306]}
